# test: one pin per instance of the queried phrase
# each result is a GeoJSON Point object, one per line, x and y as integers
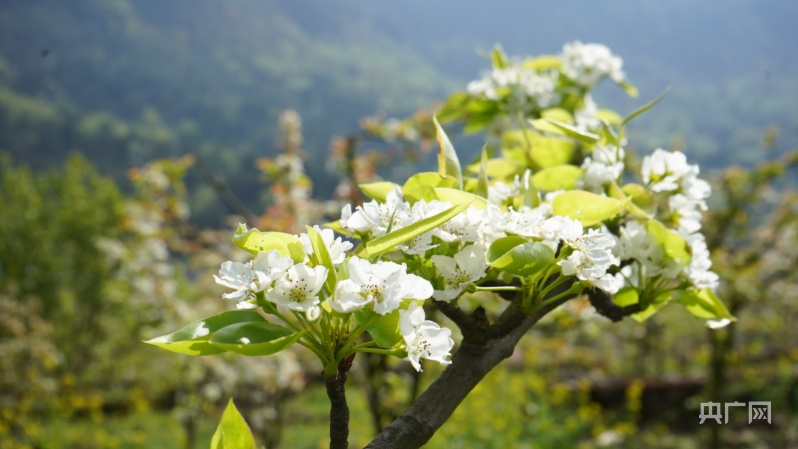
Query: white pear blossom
{"type": "Point", "coordinates": [499, 192]}
{"type": "Point", "coordinates": [524, 222]}
{"type": "Point", "coordinates": [299, 288]}
{"type": "Point", "coordinates": [421, 210]}
{"type": "Point", "coordinates": [591, 259]}
{"type": "Point", "coordinates": [424, 339]}
{"type": "Point", "coordinates": [554, 229]}
{"type": "Point", "coordinates": [586, 64]}
{"type": "Point", "coordinates": [663, 170]}
{"type": "Point", "coordinates": [604, 166]}
{"type": "Point", "coordinates": [465, 268]}
{"type": "Point", "coordinates": [596, 275]}
{"type": "Point", "coordinates": [385, 284]}
{"type": "Point", "coordinates": [687, 212]}
{"type": "Point", "coordinates": [717, 324]}
{"type": "Point", "coordinates": [698, 270]}
{"type": "Point", "coordinates": [252, 277]}
{"type": "Point", "coordinates": [336, 246]}
{"type": "Point", "coordinates": [464, 227]}
{"type": "Point", "coordinates": [376, 217]}
{"type": "Point", "coordinates": [527, 88]}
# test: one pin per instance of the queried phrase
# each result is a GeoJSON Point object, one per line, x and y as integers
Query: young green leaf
{"type": "Point", "coordinates": [674, 245]}
{"type": "Point", "coordinates": [388, 242]}
{"type": "Point", "coordinates": [377, 190]}
{"type": "Point", "coordinates": [384, 329]}
{"type": "Point", "coordinates": [448, 163]}
{"type": "Point", "coordinates": [256, 338]}
{"type": "Point", "coordinates": [322, 256]}
{"type": "Point", "coordinates": [421, 186]}
{"type": "Point", "coordinates": [193, 339]}
{"type": "Point", "coordinates": [254, 241]}
{"type": "Point", "coordinates": [497, 57]}
{"type": "Point", "coordinates": [529, 194]}
{"type": "Point", "coordinates": [704, 304]}
{"type": "Point", "coordinates": [517, 256]}
{"type": "Point", "coordinates": [557, 127]}
{"type": "Point", "coordinates": [629, 88]}
{"type": "Point", "coordinates": [559, 177]}
{"type": "Point", "coordinates": [543, 62]}
{"type": "Point", "coordinates": [645, 107]}
{"type": "Point", "coordinates": [482, 182]}
{"type": "Point", "coordinates": [587, 207]}
{"type": "Point", "coordinates": [456, 197]}
{"type": "Point", "coordinates": [233, 432]}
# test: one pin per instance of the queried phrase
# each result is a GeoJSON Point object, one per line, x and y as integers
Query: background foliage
{"type": "Point", "coordinates": [95, 256]}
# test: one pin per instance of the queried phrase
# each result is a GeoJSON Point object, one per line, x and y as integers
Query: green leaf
{"type": "Point", "coordinates": [233, 432]}
{"type": "Point", "coordinates": [498, 168]}
{"type": "Point", "coordinates": [322, 256]}
{"type": "Point", "coordinates": [655, 306]}
{"type": "Point", "coordinates": [629, 88]}
{"type": "Point", "coordinates": [609, 116]}
{"type": "Point", "coordinates": [557, 127]}
{"type": "Point", "coordinates": [673, 244]}
{"type": "Point", "coordinates": [384, 329]}
{"type": "Point", "coordinates": [255, 338]}
{"type": "Point", "coordinates": [335, 226]}
{"type": "Point", "coordinates": [497, 58]}
{"type": "Point", "coordinates": [482, 182]}
{"type": "Point", "coordinates": [550, 151]}
{"type": "Point", "coordinates": [559, 177]}
{"type": "Point", "coordinates": [704, 304]}
{"type": "Point", "coordinates": [529, 194]}
{"type": "Point", "coordinates": [456, 197]}
{"type": "Point", "coordinates": [389, 241]}
{"type": "Point", "coordinates": [626, 296]}
{"type": "Point", "coordinates": [296, 249]}
{"type": "Point", "coordinates": [643, 203]}
{"type": "Point", "coordinates": [448, 163]}
{"type": "Point", "coordinates": [586, 207]}
{"type": "Point", "coordinates": [193, 339]}
{"type": "Point", "coordinates": [377, 190]}
{"type": "Point", "coordinates": [517, 256]}
{"type": "Point", "coordinates": [645, 107]}
{"type": "Point", "coordinates": [558, 114]}
{"type": "Point", "coordinates": [421, 186]}
{"type": "Point", "coordinates": [255, 241]}
{"type": "Point", "coordinates": [544, 62]}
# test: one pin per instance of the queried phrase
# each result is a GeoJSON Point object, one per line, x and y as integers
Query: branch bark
{"type": "Point", "coordinates": [339, 411]}
{"type": "Point", "coordinates": [469, 366]}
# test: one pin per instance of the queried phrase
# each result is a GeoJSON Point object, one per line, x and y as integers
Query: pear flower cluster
{"type": "Point", "coordinates": [668, 174]}
{"type": "Point", "coordinates": [589, 251]}
{"type": "Point", "coordinates": [604, 166]}
{"type": "Point", "coordinates": [586, 64]}
{"type": "Point", "coordinates": [383, 287]}
{"type": "Point", "coordinates": [527, 88]}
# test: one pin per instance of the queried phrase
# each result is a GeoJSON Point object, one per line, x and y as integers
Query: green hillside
{"type": "Point", "coordinates": [127, 81]}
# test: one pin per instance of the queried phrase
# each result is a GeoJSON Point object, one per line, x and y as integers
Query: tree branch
{"type": "Point", "coordinates": [339, 411]}
{"type": "Point", "coordinates": [469, 365]}
{"type": "Point", "coordinates": [603, 304]}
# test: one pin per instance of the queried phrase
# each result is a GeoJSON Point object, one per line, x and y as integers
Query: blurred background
{"type": "Point", "coordinates": [135, 134]}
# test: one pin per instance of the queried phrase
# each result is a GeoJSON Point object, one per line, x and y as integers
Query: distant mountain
{"type": "Point", "coordinates": [125, 81]}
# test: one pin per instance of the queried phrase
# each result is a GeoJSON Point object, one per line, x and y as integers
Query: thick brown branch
{"type": "Point", "coordinates": [604, 305]}
{"type": "Point", "coordinates": [339, 411]}
{"type": "Point", "coordinates": [469, 366]}
{"type": "Point", "coordinates": [473, 327]}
